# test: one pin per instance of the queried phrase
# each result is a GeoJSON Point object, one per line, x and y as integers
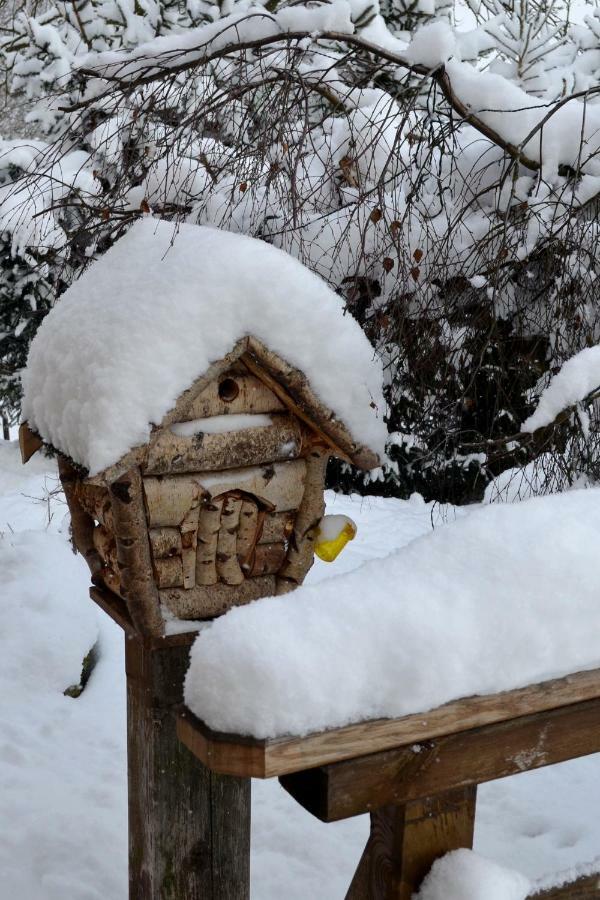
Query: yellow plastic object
{"type": "Point", "coordinates": [333, 534]}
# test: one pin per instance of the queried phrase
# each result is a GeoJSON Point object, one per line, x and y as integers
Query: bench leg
{"type": "Point", "coordinates": [189, 829]}
{"type": "Point", "coordinates": [406, 840]}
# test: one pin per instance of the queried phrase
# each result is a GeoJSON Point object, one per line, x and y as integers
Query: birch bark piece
{"type": "Point", "coordinates": [206, 550]}
{"type": "Point", "coordinates": [228, 567]}
{"type": "Point", "coordinates": [232, 393]}
{"type": "Point", "coordinates": [169, 572]}
{"type": "Point", "coordinates": [280, 485]}
{"type": "Point", "coordinates": [172, 453]}
{"type": "Point", "coordinates": [165, 542]}
{"type": "Point", "coordinates": [247, 531]}
{"type": "Point", "coordinates": [267, 559]}
{"type": "Point", "coordinates": [168, 500]}
{"type": "Point", "coordinates": [208, 602]}
{"type": "Point", "coordinates": [277, 527]}
{"type": "Point", "coordinates": [189, 540]}
{"type": "Point", "coordinates": [312, 508]}
{"type": "Point", "coordinates": [133, 553]}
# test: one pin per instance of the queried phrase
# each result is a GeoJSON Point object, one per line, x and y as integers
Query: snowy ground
{"type": "Point", "coordinates": [62, 761]}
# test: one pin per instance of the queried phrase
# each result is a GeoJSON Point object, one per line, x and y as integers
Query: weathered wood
{"type": "Point", "coordinates": [406, 840]}
{"type": "Point", "coordinates": [235, 755]}
{"type": "Point", "coordinates": [585, 888]}
{"type": "Point", "coordinates": [82, 523]}
{"type": "Point", "coordinates": [280, 485]}
{"type": "Point", "coordinates": [228, 567]}
{"type": "Point", "coordinates": [165, 542]}
{"type": "Point", "coordinates": [300, 554]}
{"type": "Point", "coordinates": [189, 830]}
{"type": "Point", "coordinates": [206, 602]}
{"type": "Point", "coordinates": [247, 394]}
{"type": "Point", "coordinates": [457, 760]}
{"type": "Point", "coordinates": [267, 559]}
{"type": "Point", "coordinates": [172, 453]}
{"type": "Point", "coordinates": [169, 572]}
{"type": "Point", "coordinates": [133, 553]}
{"type": "Point", "coordinates": [208, 536]}
{"type": "Point", "coordinates": [29, 442]}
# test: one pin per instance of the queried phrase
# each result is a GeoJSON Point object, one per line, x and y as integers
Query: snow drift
{"type": "Point", "coordinates": [504, 597]}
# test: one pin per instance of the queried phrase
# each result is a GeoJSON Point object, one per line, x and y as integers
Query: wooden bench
{"type": "Point", "coordinates": [417, 776]}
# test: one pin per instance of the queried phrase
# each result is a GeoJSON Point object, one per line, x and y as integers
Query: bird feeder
{"type": "Point", "coordinates": [222, 504]}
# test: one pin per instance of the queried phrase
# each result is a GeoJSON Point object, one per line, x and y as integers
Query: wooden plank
{"type": "Point", "coordinates": [189, 829]}
{"type": "Point", "coordinates": [231, 754]}
{"type": "Point", "coordinates": [459, 760]}
{"type": "Point", "coordinates": [406, 840]}
{"type": "Point", "coordinates": [585, 888]}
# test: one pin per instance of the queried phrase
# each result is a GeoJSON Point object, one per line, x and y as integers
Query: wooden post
{"type": "Point", "coordinates": [406, 840]}
{"type": "Point", "coordinates": [189, 829]}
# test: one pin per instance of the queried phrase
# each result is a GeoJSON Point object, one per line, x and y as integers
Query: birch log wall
{"type": "Point", "coordinates": [220, 507]}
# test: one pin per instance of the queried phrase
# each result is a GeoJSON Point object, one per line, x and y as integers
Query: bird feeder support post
{"type": "Point", "coordinates": [189, 828]}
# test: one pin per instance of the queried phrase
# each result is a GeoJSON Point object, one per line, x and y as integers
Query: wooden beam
{"type": "Point", "coordinates": [459, 760]}
{"type": "Point", "coordinates": [189, 829]}
{"type": "Point", "coordinates": [406, 840]}
{"type": "Point", "coordinates": [585, 888]}
{"type": "Point", "coordinates": [233, 755]}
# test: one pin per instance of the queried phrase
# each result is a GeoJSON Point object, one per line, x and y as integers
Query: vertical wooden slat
{"type": "Point", "coordinates": [406, 840]}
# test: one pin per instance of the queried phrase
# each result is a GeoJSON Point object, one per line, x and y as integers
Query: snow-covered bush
{"type": "Point", "coordinates": [443, 180]}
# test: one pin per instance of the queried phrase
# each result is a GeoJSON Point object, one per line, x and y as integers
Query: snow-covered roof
{"type": "Point", "coordinates": [163, 304]}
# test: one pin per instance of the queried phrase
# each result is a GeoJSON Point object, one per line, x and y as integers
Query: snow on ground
{"type": "Point", "coordinates": [62, 761]}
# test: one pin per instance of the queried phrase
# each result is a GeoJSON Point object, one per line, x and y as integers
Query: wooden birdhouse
{"type": "Point", "coordinates": [219, 506]}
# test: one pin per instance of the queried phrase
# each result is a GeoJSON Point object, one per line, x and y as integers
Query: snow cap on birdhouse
{"type": "Point", "coordinates": [194, 383]}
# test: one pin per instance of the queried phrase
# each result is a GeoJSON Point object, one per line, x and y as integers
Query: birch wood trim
{"type": "Point", "coordinates": [301, 550]}
{"type": "Point", "coordinates": [172, 453]}
{"type": "Point", "coordinates": [208, 533]}
{"type": "Point", "coordinates": [133, 553]}
{"type": "Point", "coordinates": [267, 559]}
{"type": "Point", "coordinates": [208, 602]}
{"type": "Point", "coordinates": [189, 540]}
{"type": "Point", "coordinates": [294, 390]}
{"type": "Point", "coordinates": [169, 572]}
{"type": "Point", "coordinates": [105, 544]}
{"type": "Point", "coordinates": [228, 567]}
{"type": "Point", "coordinates": [82, 524]}
{"type": "Point", "coordinates": [253, 396]}
{"type": "Point", "coordinates": [165, 542]}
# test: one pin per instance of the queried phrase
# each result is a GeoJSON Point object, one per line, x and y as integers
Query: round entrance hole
{"type": "Point", "coordinates": [228, 390]}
